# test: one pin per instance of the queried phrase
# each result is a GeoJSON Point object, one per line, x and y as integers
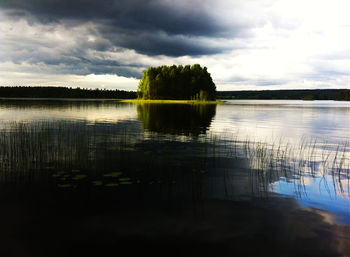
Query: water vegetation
{"type": "Point", "coordinates": [99, 180]}
{"type": "Point", "coordinates": [177, 83]}
{"type": "Point", "coordinates": [89, 158]}
{"type": "Point", "coordinates": [76, 186]}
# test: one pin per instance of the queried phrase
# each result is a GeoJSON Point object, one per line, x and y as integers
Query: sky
{"type": "Point", "coordinates": [246, 45]}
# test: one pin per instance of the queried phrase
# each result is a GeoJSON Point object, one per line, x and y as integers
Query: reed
{"type": "Point", "coordinates": [42, 147]}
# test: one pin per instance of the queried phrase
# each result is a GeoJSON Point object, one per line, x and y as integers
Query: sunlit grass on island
{"type": "Point", "coordinates": [159, 101]}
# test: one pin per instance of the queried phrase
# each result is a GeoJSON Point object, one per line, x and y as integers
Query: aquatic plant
{"type": "Point", "coordinates": [77, 154]}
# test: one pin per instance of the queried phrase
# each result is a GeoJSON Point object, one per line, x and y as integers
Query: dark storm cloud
{"type": "Point", "coordinates": [72, 54]}
{"type": "Point", "coordinates": [131, 14]}
{"type": "Point", "coordinates": [108, 67]}
{"type": "Point", "coordinates": [154, 27]}
{"type": "Point", "coordinates": [159, 43]}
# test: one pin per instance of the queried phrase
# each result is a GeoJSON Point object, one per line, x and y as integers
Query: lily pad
{"type": "Point", "coordinates": [113, 174]}
{"type": "Point", "coordinates": [97, 183]}
{"type": "Point", "coordinates": [112, 185]}
{"type": "Point", "coordinates": [124, 179]}
{"type": "Point", "coordinates": [64, 185]}
{"type": "Point", "coordinates": [126, 183]}
{"type": "Point", "coordinates": [80, 176]}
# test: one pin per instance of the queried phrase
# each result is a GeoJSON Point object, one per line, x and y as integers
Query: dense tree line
{"type": "Point", "coordinates": [317, 94]}
{"type": "Point", "coordinates": [344, 95]}
{"type": "Point", "coordinates": [64, 92]}
{"type": "Point", "coordinates": [177, 82]}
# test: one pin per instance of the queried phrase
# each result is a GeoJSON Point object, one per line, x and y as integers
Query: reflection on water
{"type": "Point", "coordinates": [290, 120]}
{"type": "Point", "coordinates": [311, 139]}
{"type": "Point", "coordinates": [180, 119]}
{"type": "Point", "coordinates": [91, 111]}
{"type": "Point", "coordinates": [86, 178]}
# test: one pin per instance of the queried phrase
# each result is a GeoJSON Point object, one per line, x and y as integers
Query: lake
{"type": "Point", "coordinates": [245, 178]}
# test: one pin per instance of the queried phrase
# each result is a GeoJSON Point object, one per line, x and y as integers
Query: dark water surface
{"type": "Point", "coordinates": [246, 178]}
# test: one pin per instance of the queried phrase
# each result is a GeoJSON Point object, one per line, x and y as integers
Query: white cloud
{"type": "Point", "coordinates": [30, 75]}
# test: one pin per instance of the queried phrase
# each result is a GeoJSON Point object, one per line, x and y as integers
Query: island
{"type": "Point", "coordinates": [177, 83]}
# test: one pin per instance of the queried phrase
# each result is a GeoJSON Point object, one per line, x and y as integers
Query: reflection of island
{"type": "Point", "coordinates": [176, 118]}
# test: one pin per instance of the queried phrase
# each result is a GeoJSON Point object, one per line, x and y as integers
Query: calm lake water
{"type": "Point", "coordinates": [248, 177]}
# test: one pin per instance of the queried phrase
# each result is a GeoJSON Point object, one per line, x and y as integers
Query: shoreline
{"type": "Point", "coordinates": [146, 101]}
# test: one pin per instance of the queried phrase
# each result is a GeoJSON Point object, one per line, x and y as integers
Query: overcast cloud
{"type": "Point", "coordinates": [252, 44]}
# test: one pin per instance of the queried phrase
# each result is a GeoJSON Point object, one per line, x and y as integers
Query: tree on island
{"type": "Point", "coordinates": [177, 82]}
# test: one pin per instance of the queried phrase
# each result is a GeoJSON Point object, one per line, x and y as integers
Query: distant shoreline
{"type": "Point", "coordinates": [288, 94]}
{"type": "Point", "coordinates": [65, 92]}
{"type": "Point", "coordinates": [60, 99]}
{"type": "Point", "coordinates": [93, 94]}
